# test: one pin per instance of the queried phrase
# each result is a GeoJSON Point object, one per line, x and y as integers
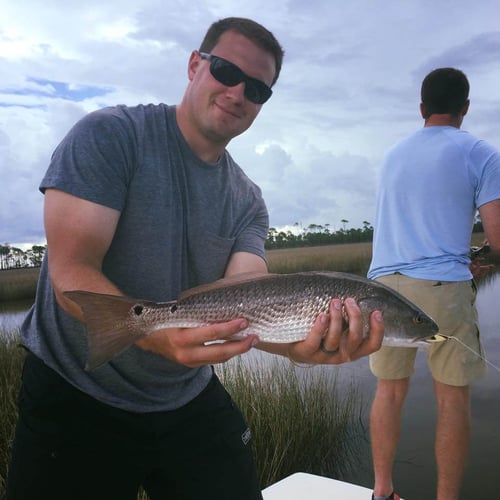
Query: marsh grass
{"type": "Point", "coordinates": [350, 258]}
{"type": "Point", "coordinates": [11, 360]}
{"type": "Point", "coordinates": [18, 284]}
{"type": "Point", "coordinates": [299, 419]}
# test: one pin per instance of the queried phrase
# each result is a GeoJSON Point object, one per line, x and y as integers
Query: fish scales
{"type": "Point", "coordinates": [278, 309]}
{"type": "Point", "coordinates": [281, 308]}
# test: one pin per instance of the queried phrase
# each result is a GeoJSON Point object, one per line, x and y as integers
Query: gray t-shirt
{"type": "Point", "coordinates": [181, 219]}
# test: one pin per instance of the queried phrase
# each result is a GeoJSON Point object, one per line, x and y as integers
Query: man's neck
{"type": "Point", "coordinates": [207, 150]}
{"type": "Point", "coordinates": [443, 120]}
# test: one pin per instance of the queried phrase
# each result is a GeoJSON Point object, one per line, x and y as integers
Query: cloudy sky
{"type": "Point", "coordinates": [348, 90]}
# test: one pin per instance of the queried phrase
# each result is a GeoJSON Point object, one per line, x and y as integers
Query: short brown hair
{"type": "Point", "coordinates": [252, 30]}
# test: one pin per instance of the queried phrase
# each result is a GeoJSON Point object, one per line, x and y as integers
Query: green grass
{"type": "Point", "coordinates": [11, 360]}
{"type": "Point", "coordinates": [298, 417]}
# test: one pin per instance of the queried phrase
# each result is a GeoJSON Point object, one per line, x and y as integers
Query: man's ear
{"type": "Point", "coordinates": [465, 109]}
{"type": "Point", "coordinates": [194, 61]}
{"type": "Point", "coordinates": [423, 111]}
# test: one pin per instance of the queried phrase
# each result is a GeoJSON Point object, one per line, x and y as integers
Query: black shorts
{"type": "Point", "coordinates": [70, 446]}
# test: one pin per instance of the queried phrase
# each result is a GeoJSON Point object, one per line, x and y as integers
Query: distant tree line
{"type": "Point", "coordinates": [314, 235]}
{"type": "Point", "coordinates": [15, 258]}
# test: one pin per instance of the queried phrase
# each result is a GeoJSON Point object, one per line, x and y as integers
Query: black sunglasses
{"type": "Point", "coordinates": [229, 74]}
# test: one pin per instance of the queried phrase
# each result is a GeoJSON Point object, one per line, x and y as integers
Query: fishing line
{"type": "Point", "coordinates": [449, 337]}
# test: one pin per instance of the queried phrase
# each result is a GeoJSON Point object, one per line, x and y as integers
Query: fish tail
{"type": "Point", "coordinates": [107, 326]}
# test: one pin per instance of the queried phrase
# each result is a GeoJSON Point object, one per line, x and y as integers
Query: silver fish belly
{"type": "Point", "coordinates": [279, 308]}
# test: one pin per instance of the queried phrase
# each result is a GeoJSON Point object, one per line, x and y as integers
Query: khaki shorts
{"type": "Point", "coordinates": [452, 306]}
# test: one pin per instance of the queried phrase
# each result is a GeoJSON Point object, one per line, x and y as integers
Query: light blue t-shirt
{"type": "Point", "coordinates": [431, 185]}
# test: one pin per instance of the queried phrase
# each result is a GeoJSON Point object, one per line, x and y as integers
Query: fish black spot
{"type": "Point", "coordinates": [138, 310]}
{"type": "Point", "coordinates": [173, 308]}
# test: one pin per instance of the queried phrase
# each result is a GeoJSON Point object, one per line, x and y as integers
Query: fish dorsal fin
{"type": "Point", "coordinates": [236, 279]}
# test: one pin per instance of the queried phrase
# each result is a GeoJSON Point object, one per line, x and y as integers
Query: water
{"type": "Point", "coordinates": [12, 314]}
{"type": "Point", "coordinates": [414, 470]}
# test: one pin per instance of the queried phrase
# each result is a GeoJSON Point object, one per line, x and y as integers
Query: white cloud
{"type": "Point", "coordinates": [349, 89]}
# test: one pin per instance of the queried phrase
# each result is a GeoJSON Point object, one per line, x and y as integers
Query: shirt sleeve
{"type": "Point", "coordinates": [488, 182]}
{"type": "Point", "coordinates": [96, 160]}
{"type": "Point", "coordinates": [253, 238]}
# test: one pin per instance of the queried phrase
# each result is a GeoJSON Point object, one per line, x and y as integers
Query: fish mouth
{"type": "Point", "coordinates": [436, 338]}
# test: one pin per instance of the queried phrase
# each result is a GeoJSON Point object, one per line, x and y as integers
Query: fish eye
{"type": "Point", "coordinates": [418, 319]}
{"type": "Point", "coordinates": [138, 310]}
{"type": "Point", "coordinates": [173, 308]}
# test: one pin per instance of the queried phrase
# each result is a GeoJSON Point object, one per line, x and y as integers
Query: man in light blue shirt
{"type": "Point", "coordinates": [432, 184]}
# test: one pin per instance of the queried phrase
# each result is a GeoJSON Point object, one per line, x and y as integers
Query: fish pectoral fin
{"type": "Point", "coordinates": [105, 318]}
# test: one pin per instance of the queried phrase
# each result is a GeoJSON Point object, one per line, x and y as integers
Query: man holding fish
{"type": "Point", "coordinates": [432, 184]}
{"type": "Point", "coordinates": [146, 202]}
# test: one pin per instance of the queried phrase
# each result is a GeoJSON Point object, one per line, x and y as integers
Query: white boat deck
{"type": "Point", "coordinates": [302, 486]}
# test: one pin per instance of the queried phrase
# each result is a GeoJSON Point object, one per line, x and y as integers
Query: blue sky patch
{"type": "Point", "coordinates": [49, 88]}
